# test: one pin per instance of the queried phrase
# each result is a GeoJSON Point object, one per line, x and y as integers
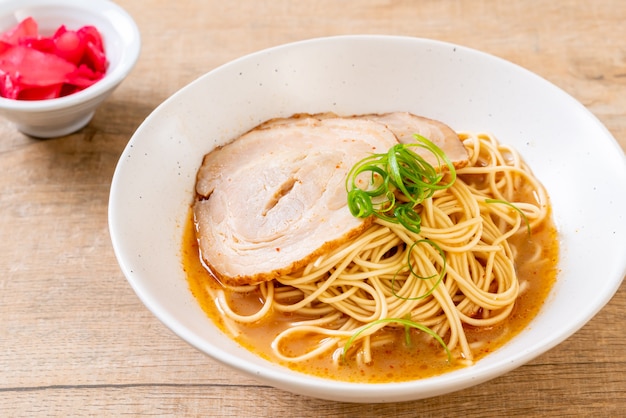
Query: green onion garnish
{"type": "Point", "coordinates": [407, 324]}
{"type": "Point", "coordinates": [518, 210]}
{"type": "Point", "coordinates": [441, 275]}
{"type": "Point", "coordinates": [400, 171]}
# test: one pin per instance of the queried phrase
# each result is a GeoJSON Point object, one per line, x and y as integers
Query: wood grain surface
{"type": "Point", "coordinates": [74, 338]}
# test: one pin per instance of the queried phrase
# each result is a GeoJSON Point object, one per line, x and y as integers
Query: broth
{"type": "Point", "coordinates": [393, 361]}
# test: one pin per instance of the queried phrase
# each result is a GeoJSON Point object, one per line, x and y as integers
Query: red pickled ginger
{"type": "Point", "coordinates": [34, 67]}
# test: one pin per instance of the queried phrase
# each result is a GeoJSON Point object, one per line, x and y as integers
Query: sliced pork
{"type": "Point", "coordinates": [404, 125]}
{"type": "Point", "coordinates": [275, 199]}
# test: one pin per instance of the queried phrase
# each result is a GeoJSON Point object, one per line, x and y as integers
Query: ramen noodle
{"type": "Point", "coordinates": [392, 299]}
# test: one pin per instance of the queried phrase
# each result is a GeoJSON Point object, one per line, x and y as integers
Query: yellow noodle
{"type": "Point", "coordinates": [368, 279]}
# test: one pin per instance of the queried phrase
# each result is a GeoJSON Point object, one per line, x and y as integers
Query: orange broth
{"type": "Point", "coordinates": [392, 362]}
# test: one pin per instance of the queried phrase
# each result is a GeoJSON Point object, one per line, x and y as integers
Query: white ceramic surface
{"type": "Point", "coordinates": [577, 159]}
{"type": "Point", "coordinates": [122, 42]}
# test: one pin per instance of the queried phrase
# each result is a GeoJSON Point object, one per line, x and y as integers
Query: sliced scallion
{"type": "Point", "coordinates": [403, 171]}
{"type": "Point", "coordinates": [401, 321]}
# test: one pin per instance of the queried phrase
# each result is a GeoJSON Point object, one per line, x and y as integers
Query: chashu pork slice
{"type": "Point", "coordinates": [275, 199]}
{"type": "Point", "coordinates": [404, 125]}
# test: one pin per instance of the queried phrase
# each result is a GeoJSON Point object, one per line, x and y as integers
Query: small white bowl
{"type": "Point", "coordinates": [576, 158]}
{"type": "Point", "coordinates": [122, 42]}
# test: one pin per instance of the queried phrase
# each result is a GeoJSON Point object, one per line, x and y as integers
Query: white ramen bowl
{"type": "Point", "coordinates": [122, 42]}
{"type": "Point", "coordinates": [576, 158]}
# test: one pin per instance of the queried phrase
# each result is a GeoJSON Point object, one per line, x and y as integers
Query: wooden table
{"type": "Point", "coordinates": [74, 338]}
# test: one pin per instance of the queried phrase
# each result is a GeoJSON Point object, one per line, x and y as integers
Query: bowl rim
{"type": "Point", "coordinates": [132, 48]}
{"type": "Point", "coordinates": [437, 385]}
